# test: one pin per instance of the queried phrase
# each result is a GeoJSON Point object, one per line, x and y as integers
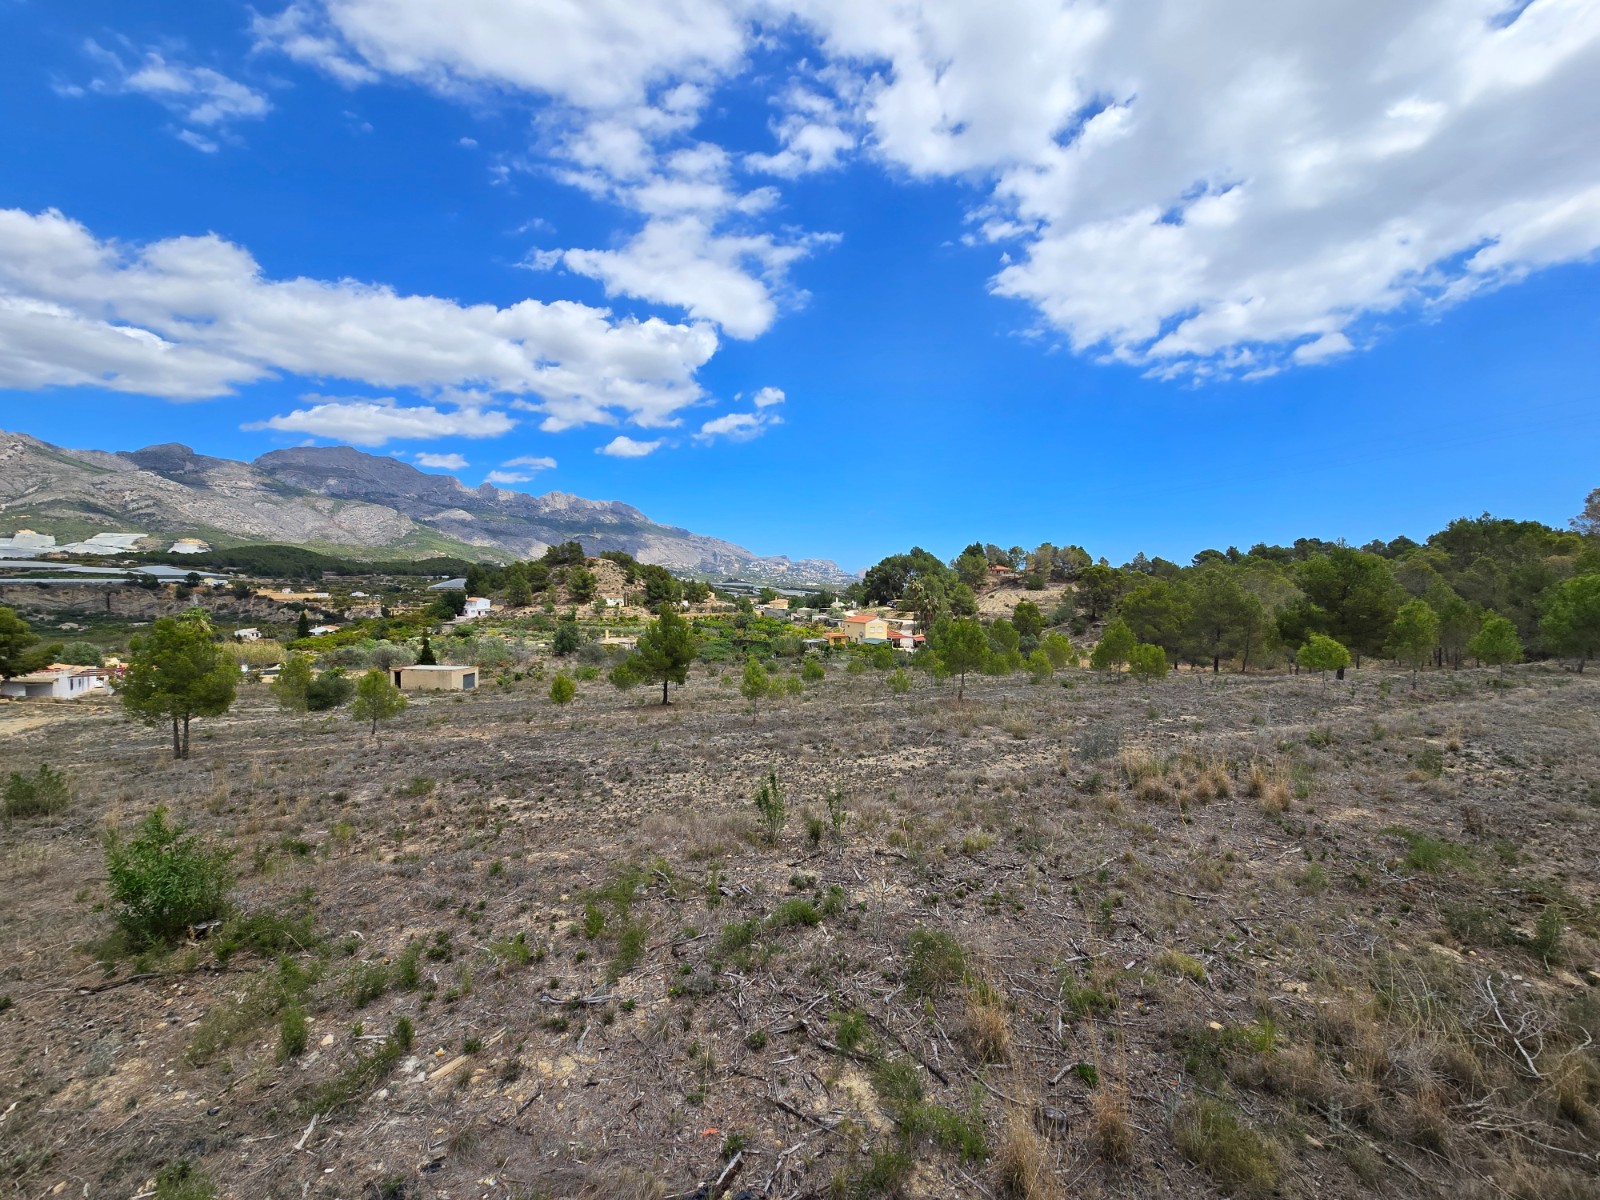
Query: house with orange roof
{"type": "Point", "coordinates": [865, 627]}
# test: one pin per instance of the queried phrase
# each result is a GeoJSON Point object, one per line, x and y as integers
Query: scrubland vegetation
{"type": "Point", "coordinates": [1055, 906]}
{"type": "Point", "coordinates": [1211, 935]}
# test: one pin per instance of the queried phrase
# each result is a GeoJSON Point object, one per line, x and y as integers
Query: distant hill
{"type": "Point", "coordinates": [340, 500]}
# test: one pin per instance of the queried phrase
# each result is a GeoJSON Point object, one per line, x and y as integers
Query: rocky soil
{"type": "Point", "coordinates": [1221, 936]}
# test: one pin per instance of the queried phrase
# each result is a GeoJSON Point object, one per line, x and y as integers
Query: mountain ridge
{"type": "Point", "coordinates": [338, 496]}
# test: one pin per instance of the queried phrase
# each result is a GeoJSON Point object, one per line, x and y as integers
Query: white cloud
{"type": "Point", "coordinates": [199, 96]}
{"type": "Point", "coordinates": [440, 462]}
{"type": "Point", "coordinates": [1190, 182]}
{"type": "Point", "coordinates": [193, 317]}
{"type": "Point", "coordinates": [625, 447]}
{"type": "Point", "coordinates": [504, 477]}
{"type": "Point", "coordinates": [531, 462]}
{"type": "Point", "coordinates": [375, 422]}
{"type": "Point", "coordinates": [743, 426]}
{"type": "Point", "coordinates": [626, 85]}
{"type": "Point", "coordinates": [1201, 188]}
{"type": "Point", "coordinates": [597, 54]}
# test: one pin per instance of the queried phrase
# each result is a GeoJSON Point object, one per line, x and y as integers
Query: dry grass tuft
{"type": "Point", "coordinates": [1270, 786]}
{"type": "Point", "coordinates": [1022, 1161]}
{"type": "Point", "coordinates": [1137, 764]}
{"type": "Point", "coordinates": [987, 1033]}
{"type": "Point", "coordinates": [1110, 1124]}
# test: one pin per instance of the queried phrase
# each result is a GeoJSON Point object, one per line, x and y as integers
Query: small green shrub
{"type": "Point", "coordinates": [183, 1180]}
{"type": "Point", "coordinates": [44, 792]}
{"type": "Point", "coordinates": [1176, 962]}
{"type": "Point", "coordinates": [266, 933]}
{"type": "Point", "coordinates": [163, 882]}
{"type": "Point", "coordinates": [792, 913]}
{"type": "Point", "coordinates": [1213, 1137]}
{"type": "Point", "coordinates": [1433, 854]}
{"type": "Point", "coordinates": [293, 1033]}
{"type": "Point", "coordinates": [769, 803]}
{"type": "Point", "coordinates": [935, 961]}
{"type": "Point", "coordinates": [851, 1031]}
{"type": "Point", "coordinates": [735, 936]}
{"type": "Point", "coordinates": [368, 981]}
{"type": "Point", "coordinates": [1546, 939]}
{"type": "Point", "coordinates": [630, 949]}
{"type": "Point", "coordinates": [562, 689]}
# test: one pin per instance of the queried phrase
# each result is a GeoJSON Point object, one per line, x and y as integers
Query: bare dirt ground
{"type": "Point", "coordinates": [1218, 936]}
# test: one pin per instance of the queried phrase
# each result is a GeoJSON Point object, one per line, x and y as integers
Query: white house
{"type": "Point", "coordinates": [477, 606]}
{"type": "Point", "coordinates": [247, 635]}
{"type": "Point", "coordinates": [56, 683]}
{"type": "Point", "coordinates": [319, 630]}
{"type": "Point", "coordinates": [612, 601]}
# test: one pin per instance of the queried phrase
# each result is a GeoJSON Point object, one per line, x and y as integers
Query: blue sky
{"type": "Point", "coordinates": [828, 279]}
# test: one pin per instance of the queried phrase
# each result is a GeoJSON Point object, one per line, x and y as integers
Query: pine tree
{"type": "Point", "coordinates": [667, 648]}
{"type": "Point", "coordinates": [177, 672]}
{"type": "Point", "coordinates": [1322, 654]}
{"type": "Point", "coordinates": [1114, 647]}
{"type": "Point", "coordinates": [377, 699]}
{"type": "Point", "coordinates": [1414, 635]}
{"type": "Point", "coordinates": [1496, 643]}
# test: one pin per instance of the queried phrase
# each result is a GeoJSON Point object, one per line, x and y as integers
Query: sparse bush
{"type": "Point", "coordinates": [769, 803]}
{"type": "Point", "coordinates": [1212, 1135]}
{"type": "Point", "coordinates": [293, 1033]}
{"type": "Point", "coordinates": [899, 681]}
{"type": "Point", "coordinates": [792, 913]}
{"type": "Point", "coordinates": [329, 690]}
{"type": "Point", "coordinates": [562, 689]}
{"type": "Point", "coordinates": [163, 882]}
{"type": "Point", "coordinates": [183, 1180]}
{"type": "Point", "coordinates": [1546, 939]}
{"type": "Point", "coordinates": [935, 960]}
{"type": "Point", "coordinates": [1432, 854]}
{"type": "Point", "coordinates": [812, 671]}
{"type": "Point", "coordinates": [987, 1034]}
{"type": "Point", "coordinates": [40, 794]}
{"type": "Point", "coordinates": [1176, 962]}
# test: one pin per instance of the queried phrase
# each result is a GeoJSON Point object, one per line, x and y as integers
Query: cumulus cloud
{"type": "Point", "coordinates": [625, 447]}
{"type": "Point", "coordinates": [440, 462]}
{"type": "Point", "coordinates": [1204, 191]}
{"type": "Point", "coordinates": [626, 85]}
{"type": "Point", "coordinates": [504, 477]}
{"type": "Point", "coordinates": [743, 426]}
{"type": "Point", "coordinates": [193, 317]}
{"type": "Point", "coordinates": [375, 422]}
{"type": "Point", "coordinates": [198, 96]}
{"type": "Point", "coordinates": [1197, 188]}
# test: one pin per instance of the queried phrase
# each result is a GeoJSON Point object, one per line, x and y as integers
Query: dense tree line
{"type": "Point", "coordinates": [1487, 588]}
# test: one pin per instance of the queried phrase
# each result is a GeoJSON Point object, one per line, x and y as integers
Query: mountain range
{"type": "Point", "coordinates": [341, 500]}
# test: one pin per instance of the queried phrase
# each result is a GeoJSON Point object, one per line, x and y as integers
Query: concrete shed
{"type": "Point", "coordinates": [435, 679]}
